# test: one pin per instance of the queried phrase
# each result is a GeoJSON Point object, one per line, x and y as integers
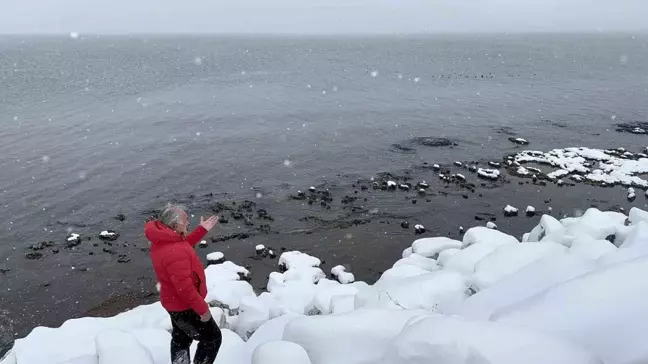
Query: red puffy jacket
{"type": "Point", "coordinates": [177, 266]}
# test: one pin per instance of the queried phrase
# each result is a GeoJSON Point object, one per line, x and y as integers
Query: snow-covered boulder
{"type": "Point", "coordinates": [118, 347]}
{"type": "Point", "coordinates": [535, 278]}
{"type": "Point", "coordinates": [589, 248]}
{"type": "Point", "coordinates": [637, 215]}
{"type": "Point", "coordinates": [508, 259]}
{"type": "Point", "coordinates": [601, 311]}
{"type": "Point", "coordinates": [296, 259]}
{"type": "Point", "coordinates": [419, 261]}
{"type": "Point", "coordinates": [280, 352]}
{"type": "Point", "coordinates": [224, 286]}
{"type": "Point", "coordinates": [355, 338]}
{"type": "Point", "coordinates": [453, 340]}
{"type": "Point", "coordinates": [445, 255]}
{"type": "Point", "coordinates": [327, 290]}
{"type": "Point", "coordinates": [440, 291]}
{"type": "Point", "coordinates": [483, 235]}
{"type": "Point", "coordinates": [548, 225]}
{"type": "Point", "coordinates": [464, 261]}
{"type": "Point", "coordinates": [431, 247]}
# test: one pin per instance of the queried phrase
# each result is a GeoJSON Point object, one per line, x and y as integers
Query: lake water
{"type": "Point", "coordinates": [96, 126]}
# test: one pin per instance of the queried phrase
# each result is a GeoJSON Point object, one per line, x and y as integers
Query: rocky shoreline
{"type": "Point", "coordinates": [366, 220]}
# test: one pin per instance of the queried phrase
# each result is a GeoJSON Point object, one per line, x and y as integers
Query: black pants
{"type": "Point", "coordinates": [187, 327]}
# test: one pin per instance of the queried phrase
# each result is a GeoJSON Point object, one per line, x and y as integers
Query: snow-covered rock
{"type": "Point", "coordinates": [488, 173]}
{"type": "Point", "coordinates": [508, 259]}
{"type": "Point", "coordinates": [340, 273]}
{"type": "Point", "coordinates": [296, 259]}
{"type": "Point", "coordinates": [354, 338]}
{"type": "Point", "coordinates": [118, 347]}
{"type": "Point", "coordinates": [453, 340]}
{"type": "Point", "coordinates": [483, 235]}
{"type": "Point", "coordinates": [601, 311]}
{"type": "Point", "coordinates": [510, 210]}
{"type": "Point", "coordinates": [431, 247]}
{"type": "Point", "coordinates": [491, 225]}
{"type": "Point", "coordinates": [215, 258]}
{"type": "Point", "coordinates": [280, 352]}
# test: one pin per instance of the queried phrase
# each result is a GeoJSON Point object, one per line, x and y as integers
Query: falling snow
{"type": "Point", "coordinates": [74, 35]}
{"type": "Point", "coordinates": [374, 74]}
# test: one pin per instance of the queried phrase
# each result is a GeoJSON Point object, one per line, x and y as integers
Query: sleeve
{"type": "Point", "coordinates": [194, 237]}
{"type": "Point", "coordinates": [179, 271]}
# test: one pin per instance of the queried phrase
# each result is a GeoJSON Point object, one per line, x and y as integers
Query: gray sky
{"type": "Point", "coordinates": [320, 16]}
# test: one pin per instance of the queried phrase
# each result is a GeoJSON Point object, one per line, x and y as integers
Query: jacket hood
{"type": "Point", "coordinates": [158, 233]}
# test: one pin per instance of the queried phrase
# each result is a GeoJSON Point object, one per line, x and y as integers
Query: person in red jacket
{"type": "Point", "coordinates": [183, 284]}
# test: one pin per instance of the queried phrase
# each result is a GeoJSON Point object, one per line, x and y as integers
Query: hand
{"type": "Point", "coordinates": [206, 316]}
{"type": "Point", "coordinates": [209, 223]}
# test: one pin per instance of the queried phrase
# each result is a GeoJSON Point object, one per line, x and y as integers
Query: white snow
{"type": "Point", "coordinates": [259, 247]}
{"type": "Point", "coordinates": [280, 352]}
{"type": "Point", "coordinates": [107, 234]}
{"type": "Point", "coordinates": [203, 243]}
{"type": "Point", "coordinates": [530, 209]}
{"type": "Point", "coordinates": [436, 166]}
{"type": "Point", "coordinates": [510, 209]}
{"type": "Point", "coordinates": [608, 167]}
{"type": "Point", "coordinates": [564, 295]}
{"type": "Point", "coordinates": [391, 184]}
{"type": "Point", "coordinates": [215, 256]}
{"type": "Point", "coordinates": [482, 235]}
{"type": "Point", "coordinates": [508, 259]}
{"type": "Point", "coordinates": [454, 340]}
{"type": "Point", "coordinates": [488, 173]}
{"type": "Point", "coordinates": [458, 164]}
{"type": "Point", "coordinates": [340, 273]}
{"type": "Point", "coordinates": [460, 176]}
{"type": "Point", "coordinates": [296, 259]}
{"type": "Point", "coordinates": [431, 247]}
{"type": "Point", "coordinates": [491, 225]}
{"type": "Point", "coordinates": [73, 237]}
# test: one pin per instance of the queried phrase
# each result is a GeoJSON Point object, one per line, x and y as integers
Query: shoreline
{"type": "Point", "coordinates": [347, 226]}
{"type": "Point", "coordinates": [451, 281]}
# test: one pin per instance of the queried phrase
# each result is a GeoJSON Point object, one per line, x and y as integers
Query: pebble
{"type": "Point", "coordinates": [419, 229]}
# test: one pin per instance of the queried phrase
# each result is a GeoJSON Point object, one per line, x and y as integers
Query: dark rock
{"type": "Point", "coordinates": [123, 259]}
{"type": "Point", "coordinates": [41, 245]}
{"type": "Point", "coordinates": [222, 220]}
{"type": "Point", "coordinates": [434, 142]}
{"type": "Point", "coordinates": [34, 255]}
{"type": "Point", "coordinates": [485, 216]}
{"type": "Point", "coordinates": [403, 148]}
{"type": "Point", "coordinates": [348, 199]}
{"type": "Point", "coordinates": [414, 201]}
{"type": "Point", "coordinates": [364, 188]}
{"type": "Point", "coordinates": [405, 225]}
{"type": "Point", "coordinates": [90, 253]}
{"type": "Point", "coordinates": [240, 236]}
{"type": "Point", "coordinates": [109, 251]}
{"type": "Point", "coordinates": [237, 215]}
{"type": "Point", "coordinates": [633, 127]}
{"type": "Point", "coordinates": [120, 217]}
{"type": "Point", "coordinates": [419, 229]}
{"type": "Point", "coordinates": [55, 250]}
